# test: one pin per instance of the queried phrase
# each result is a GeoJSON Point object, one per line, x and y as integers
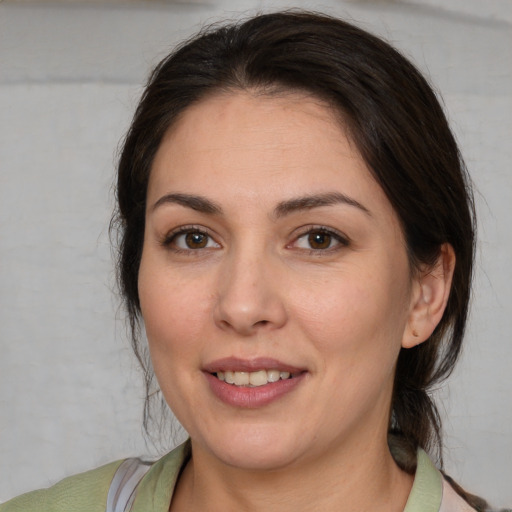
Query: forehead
{"type": "Point", "coordinates": [241, 145]}
{"type": "Point", "coordinates": [244, 120]}
{"type": "Point", "coordinates": [235, 127]}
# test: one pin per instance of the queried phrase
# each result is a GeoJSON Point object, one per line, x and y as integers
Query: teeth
{"type": "Point", "coordinates": [252, 379]}
{"type": "Point", "coordinates": [241, 378]}
{"type": "Point", "coordinates": [258, 378]}
{"type": "Point", "coordinates": [273, 375]}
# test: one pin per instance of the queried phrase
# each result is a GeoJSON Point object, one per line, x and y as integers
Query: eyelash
{"type": "Point", "coordinates": [339, 239]}
{"type": "Point", "coordinates": [171, 237]}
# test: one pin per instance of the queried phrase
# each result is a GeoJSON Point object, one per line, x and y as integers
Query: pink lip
{"type": "Point", "coordinates": [251, 397]}
{"type": "Point", "coordinates": [234, 364]}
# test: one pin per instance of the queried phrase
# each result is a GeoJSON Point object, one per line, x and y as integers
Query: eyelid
{"type": "Point", "coordinates": [342, 239]}
{"type": "Point", "coordinates": [182, 230]}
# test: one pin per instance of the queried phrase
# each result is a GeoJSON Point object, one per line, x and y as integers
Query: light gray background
{"type": "Point", "coordinates": [70, 76]}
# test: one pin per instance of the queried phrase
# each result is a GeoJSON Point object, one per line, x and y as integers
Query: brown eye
{"type": "Point", "coordinates": [196, 240]}
{"type": "Point", "coordinates": [189, 239]}
{"type": "Point", "coordinates": [319, 240]}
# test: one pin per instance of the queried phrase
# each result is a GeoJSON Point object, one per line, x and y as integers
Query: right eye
{"type": "Point", "coordinates": [188, 239]}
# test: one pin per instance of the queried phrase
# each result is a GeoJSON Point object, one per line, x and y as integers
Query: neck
{"type": "Point", "coordinates": [339, 479]}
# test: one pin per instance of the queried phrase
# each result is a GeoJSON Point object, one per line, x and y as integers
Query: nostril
{"type": "Point", "coordinates": [250, 312]}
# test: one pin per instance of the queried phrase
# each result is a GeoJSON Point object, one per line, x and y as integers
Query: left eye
{"type": "Point", "coordinates": [193, 240]}
{"type": "Point", "coordinates": [319, 240]}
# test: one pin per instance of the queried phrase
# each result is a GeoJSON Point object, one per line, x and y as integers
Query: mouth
{"type": "Point", "coordinates": [254, 379]}
{"type": "Point", "coordinates": [252, 383]}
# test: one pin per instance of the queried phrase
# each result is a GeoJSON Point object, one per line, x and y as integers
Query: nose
{"type": "Point", "coordinates": [250, 295]}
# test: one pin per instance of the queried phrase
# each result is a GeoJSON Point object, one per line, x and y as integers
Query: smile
{"type": "Point", "coordinates": [252, 383]}
{"type": "Point", "coordinates": [253, 379]}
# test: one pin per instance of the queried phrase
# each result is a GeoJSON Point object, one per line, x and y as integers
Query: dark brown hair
{"type": "Point", "coordinates": [396, 122]}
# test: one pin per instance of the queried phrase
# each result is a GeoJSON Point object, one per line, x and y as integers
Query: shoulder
{"type": "Point", "coordinates": [433, 492]}
{"type": "Point", "coordinates": [85, 492]}
{"type": "Point", "coordinates": [455, 498]}
{"type": "Point", "coordinates": [453, 502]}
{"type": "Point", "coordinates": [157, 487]}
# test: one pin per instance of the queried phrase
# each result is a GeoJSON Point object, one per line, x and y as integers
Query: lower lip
{"type": "Point", "coordinates": [252, 398]}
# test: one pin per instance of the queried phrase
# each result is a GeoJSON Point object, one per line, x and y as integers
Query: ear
{"type": "Point", "coordinates": [430, 291]}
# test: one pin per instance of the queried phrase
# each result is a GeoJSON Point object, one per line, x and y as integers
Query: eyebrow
{"type": "Point", "coordinates": [197, 203]}
{"type": "Point", "coordinates": [203, 205]}
{"type": "Point", "coordinates": [316, 201]}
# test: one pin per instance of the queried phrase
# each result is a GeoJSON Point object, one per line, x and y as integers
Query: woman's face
{"type": "Point", "coordinates": [274, 282]}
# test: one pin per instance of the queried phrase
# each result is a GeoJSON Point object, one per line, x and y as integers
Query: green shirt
{"type": "Point", "coordinates": [87, 492]}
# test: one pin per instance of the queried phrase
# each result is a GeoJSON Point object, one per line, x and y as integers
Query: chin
{"type": "Point", "coordinates": [262, 449]}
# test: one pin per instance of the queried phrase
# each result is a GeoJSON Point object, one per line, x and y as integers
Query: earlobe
{"type": "Point", "coordinates": [429, 296]}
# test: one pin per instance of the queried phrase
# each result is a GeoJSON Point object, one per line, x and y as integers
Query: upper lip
{"type": "Point", "coordinates": [235, 364]}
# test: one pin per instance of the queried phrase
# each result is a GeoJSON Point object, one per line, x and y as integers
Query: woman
{"type": "Point", "coordinates": [297, 235]}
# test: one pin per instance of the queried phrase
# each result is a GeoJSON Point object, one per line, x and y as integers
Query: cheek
{"type": "Point", "coordinates": [355, 316]}
{"type": "Point", "coordinates": [173, 313]}
{"type": "Point", "coordinates": [173, 310]}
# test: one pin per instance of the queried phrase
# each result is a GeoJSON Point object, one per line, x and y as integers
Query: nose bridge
{"type": "Point", "coordinates": [249, 297]}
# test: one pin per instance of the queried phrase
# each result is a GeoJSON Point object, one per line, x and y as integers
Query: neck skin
{"type": "Point", "coordinates": [355, 476]}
